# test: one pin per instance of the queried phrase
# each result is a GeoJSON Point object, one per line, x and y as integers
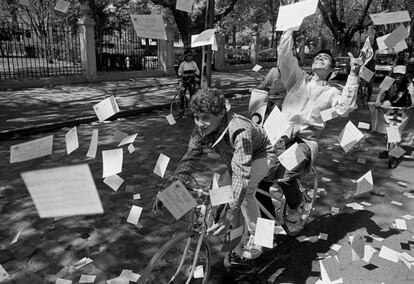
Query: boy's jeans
{"type": "Point", "coordinates": [249, 208]}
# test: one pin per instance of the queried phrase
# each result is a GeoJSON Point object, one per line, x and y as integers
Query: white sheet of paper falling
{"type": "Point", "coordinates": [215, 181]}
{"type": "Point", "coordinates": [62, 6]}
{"type": "Point", "coordinates": [16, 237]}
{"type": "Point", "coordinates": [221, 195]}
{"type": "Point", "coordinates": [366, 74]}
{"type": "Point", "coordinates": [31, 150]}
{"type": "Point", "coordinates": [137, 196]}
{"type": "Point", "coordinates": [256, 68]}
{"type": "Point", "coordinates": [397, 35]}
{"type": "Point", "coordinates": [128, 140]}
{"type": "Point", "coordinates": [368, 252]}
{"type": "Point", "coordinates": [285, 21]}
{"type": "Point", "coordinates": [396, 203]}
{"type": "Point", "coordinates": [63, 281]}
{"type": "Point", "coordinates": [87, 278]}
{"type": "Point", "coordinates": [72, 142]}
{"type": "Point", "coordinates": [363, 125]}
{"type": "Point", "coordinates": [177, 199]}
{"type": "Point", "coordinates": [113, 182]}
{"type": "Point", "coordinates": [367, 204]}
{"type": "Point", "coordinates": [389, 254]}
{"type": "Point", "coordinates": [396, 152]}
{"type": "Point", "coordinates": [149, 26]}
{"type": "Point", "coordinates": [3, 274]}
{"type": "Point", "coordinates": [171, 119]}
{"type": "Point", "coordinates": [335, 247]}
{"type": "Point", "coordinates": [393, 134]}
{"type": "Point", "coordinates": [401, 224]}
{"type": "Point", "coordinates": [184, 5]}
{"type": "Point", "coordinates": [161, 165]}
{"type": "Point", "coordinates": [63, 191]}
{"type": "Point", "coordinates": [381, 44]}
{"type": "Point", "coordinates": [390, 17]}
{"type": "Point", "coordinates": [82, 262]}
{"type": "Point", "coordinates": [131, 148]}
{"type": "Point", "coordinates": [330, 270]}
{"type": "Point", "coordinates": [276, 125]}
{"type": "Point", "coordinates": [93, 146]}
{"type": "Point", "coordinates": [264, 232]}
{"type": "Point", "coordinates": [134, 214]}
{"type": "Point", "coordinates": [118, 280]}
{"type": "Point", "coordinates": [349, 136]}
{"type": "Point", "coordinates": [291, 157]}
{"type": "Point", "coordinates": [355, 206]}
{"type": "Point", "coordinates": [361, 161]}
{"type": "Point", "coordinates": [206, 37]}
{"type": "Point", "coordinates": [199, 271]}
{"type": "Point", "coordinates": [128, 274]}
{"type": "Point", "coordinates": [112, 162]}
{"type": "Point", "coordinates": [106, 108]}
{"type": "Point", "coordinates": [328, 114]}
{"type": "Point", "coordinates": [364, 183]}
{"type": "Point", "coordinates": [386, 83]}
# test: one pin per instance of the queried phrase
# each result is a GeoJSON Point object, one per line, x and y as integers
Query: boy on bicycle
{"type": "Point", "coordinates": [245, 149]}
{"type": "Point", "coordinates": [305, 99]}
{"type": "Point", "coordinates": [188, 71]}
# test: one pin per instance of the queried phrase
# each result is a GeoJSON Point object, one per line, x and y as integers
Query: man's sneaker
{"type": "Point", "coordinates": [295, 215]}
{"type": "Point", "coordinates": [251, 250]}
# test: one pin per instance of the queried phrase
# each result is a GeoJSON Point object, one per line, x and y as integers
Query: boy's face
{"type": "Point", "coordinates": [207, 122]}
{"type": "Point", "coordinates": [188, 58]}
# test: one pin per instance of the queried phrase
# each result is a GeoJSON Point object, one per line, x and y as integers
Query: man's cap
{"type": "Point", "coordinates": [188, 53]}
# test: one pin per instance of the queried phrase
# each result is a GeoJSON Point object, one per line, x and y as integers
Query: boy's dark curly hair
{"type": "Point", "coordinates": [209, 100]}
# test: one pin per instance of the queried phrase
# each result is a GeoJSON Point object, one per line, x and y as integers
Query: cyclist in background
{"type": "Point", "coordinates": [188, 72]}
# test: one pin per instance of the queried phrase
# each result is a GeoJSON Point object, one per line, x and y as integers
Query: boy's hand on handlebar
{"type": "Point", "coordinates": [220, 227]}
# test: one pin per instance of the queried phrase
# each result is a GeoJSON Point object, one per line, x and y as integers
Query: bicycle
{"type": "Point", "coordinates": [180, 256]}
{"type": "Point", "coordinates": [364, 92]}
{"type": "Point", "coordinates": [180, 101]}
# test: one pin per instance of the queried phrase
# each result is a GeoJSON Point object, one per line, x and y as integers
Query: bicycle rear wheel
{"type": "Point", "coordinates": [177, 107]}
{"type": "Point", "coordinates": [309, 184]}
{"type": "Point", "coordinates": [176, 258]}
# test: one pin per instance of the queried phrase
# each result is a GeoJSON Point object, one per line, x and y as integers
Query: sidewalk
{"type": "Point", "coordinates": [36, 110]}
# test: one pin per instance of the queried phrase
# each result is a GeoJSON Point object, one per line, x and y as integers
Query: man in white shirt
{"type": "Point", "coordinates": [276, 90]}
{"type": "Point", "coordinates": [304, 101]}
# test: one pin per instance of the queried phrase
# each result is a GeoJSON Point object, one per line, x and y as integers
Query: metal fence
{"type": "Point", "coordinates": [27, 52]}
{"type": "Point", "coordinates": [123, 50]}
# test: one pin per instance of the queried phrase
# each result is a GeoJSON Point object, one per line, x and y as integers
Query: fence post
{"type": "Point", "coordinates": [87, 45]}
{"type": "Point", "coordinates": [166, 51]}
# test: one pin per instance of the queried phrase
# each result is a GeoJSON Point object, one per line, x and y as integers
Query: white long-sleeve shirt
{"type": "Point", "coordinates": [306, 99]}
{"type": "Point", "coordinates": [188, 66]}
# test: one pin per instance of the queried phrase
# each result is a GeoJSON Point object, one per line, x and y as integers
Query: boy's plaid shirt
{"type": "Point", "coordinates": [243, 143]}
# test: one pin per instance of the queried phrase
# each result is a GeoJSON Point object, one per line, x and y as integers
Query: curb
{"type": "Point", "coordinates": [47, 127]}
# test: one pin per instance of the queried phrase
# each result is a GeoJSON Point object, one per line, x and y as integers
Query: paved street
{"type": "Point", "coordinates": [47, 248]}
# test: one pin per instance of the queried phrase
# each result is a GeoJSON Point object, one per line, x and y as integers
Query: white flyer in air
{"type": "Point", "coordinates": [31, 150]}
{"type": "Point", "coordinates": [106, 108]}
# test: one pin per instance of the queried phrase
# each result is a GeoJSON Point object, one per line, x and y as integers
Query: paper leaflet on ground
{"type": "Point", "coordinates": [389, 254]}
{"type": "Point", "coordinates": [400, 224]}
{"type": "Point", "coordinates": [381, 43]}
{"type": "Point", "coordinates": [199, 271]}
{"type": "Point", "coordinates": [386, 83]}
{"type": "Point", "coordinates": [221, 195]}
{"type": "Point", "coordinates": [177, 199]}
{"type": "Point", "coordinates": [393, 134]}
{"type": "Point", "coordinates": [93, 146]}
{"type": "Point", "coordinates": [363, 125]}
{"type": "Point", "coordinates": [134, 214]}
{"type": "Point", "coordinates": [330, 271]}
{"type": "Point", "coordinates": [161, 165]}
{"type": "Point", "coordinates": [170, 119]}
{"type": "Point", "coordinates": [256, 68]}
{"type": "Point", "coordinates": [264, 232]}
{"type": "Point", "coordinates": [357, 247]}
{"type": "Point", "coordinates": [106, 108]}
{"type": "Point", "coordinates": [366, 74]}
{"type": "Point", "coordinates": [291, 157]}
{"type": "Point", "coordinates": [62, 6]}
{"type": "Point", "coordinates": [390, 17]}
{"type": "Point", "coordinates": [16, 237]}
{"type": "Point", "coordinates": [206, 37]}
{"type": "Point", "coordinates": [300, 10]}
{"type": "Point", "coordinates": [149, 26]}
{"type": "Point", "coordinates": [368, 253]}
{"type": "Point", "coordinates": [113, 182]}
{"type": "Point", "coordinates": [31, 150]}
{"type": "Point", "coordinates": [396, 152]}
{"type": "Point", "coordinates": [63, 191]}
{"type": "Point", "coordinates": [72, 142]}
{"type": "Point", "coordinates": [63, 281]}
{"type": "Point", "coordinates": [184, 5]}
{"type": "Point", "coordinates": [112, 162]}
{"type": "Point", "coordinates": [397, 35]}
{"type": "Point", "coordinates": [87, 278]}
{"type": "Point", "coordinates": [349, 136]}
{"type": "Point", "coordinates": [328, 114]}
{"type": "Point", "coordinates": [131, 148]}
{"type": "Point", "coordinates": [129, 275]}
{"type": "Point", "coordinates": [276, 126]}
{"type": "Point", "coordinates": [364, 184]}
{"type": "Point", "coordinates": [128, 140]}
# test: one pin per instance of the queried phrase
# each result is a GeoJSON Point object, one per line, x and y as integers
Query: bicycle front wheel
{"type": "Point", "coordinates": [173, 262]}
{"type": "Point", "coordinates": [178, 105]}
